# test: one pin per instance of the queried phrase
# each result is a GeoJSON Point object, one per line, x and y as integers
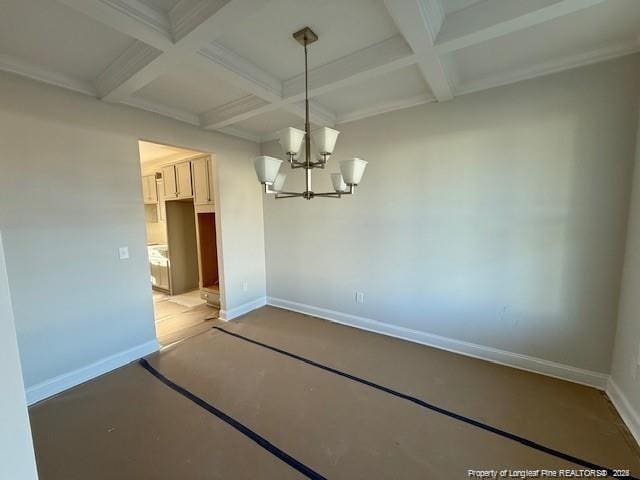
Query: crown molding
{"type": "Point", "coordinates": [233, 112]}
{"type": "Point", "coordinates": [237, 132]}
{"type": "Point", "coordinates": [131, 61]}
{"type": "Point", "coordinates": [257, 81]}
{"type": "Point", "coordinates": [490, 19]}
{"type": "Point", "coordinates": [385, 108]}
{"type": "Point", "coordinates": [378, 59]}
{"type": "Point", "coordinates": [163, 110]}
{"type": "Point", "coordinates": [41, 74]}
{"type": "Point", "coordinates": [573, 61]}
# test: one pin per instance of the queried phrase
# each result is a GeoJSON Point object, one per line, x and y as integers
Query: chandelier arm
{"type": "Point", "coordinates": [328, 195]}
{"type": "Point", "coordinates": [280, 196]}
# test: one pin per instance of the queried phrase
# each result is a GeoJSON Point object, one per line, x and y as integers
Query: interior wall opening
{"type": "Point", "coordinates": [178, 191]}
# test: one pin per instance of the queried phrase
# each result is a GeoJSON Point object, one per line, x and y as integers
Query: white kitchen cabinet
{"type": "Point", "coordinates": [202, 181]}
{"type": "Point", "coordinates": [170, 182]}
{"type": "Point", "coordinates": [183, 177]}
{"type": "Point", "coordinates": [149, 192]}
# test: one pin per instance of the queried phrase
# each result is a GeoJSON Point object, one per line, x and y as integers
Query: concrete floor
{"type": "Point", "coordinates": [129, 425]}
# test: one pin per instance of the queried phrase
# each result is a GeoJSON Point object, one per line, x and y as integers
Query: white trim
{"type": "Point", "coordinates": [502, 357]}
{"type": "Point", "coordinates": [238, 132]}
{"type": "Point", "coordinates": [628, 414]}
{"type": "Point", "coordinates": [490, 19]}
{"type": "Point", "coordinates": [243, 309]}
{"type": "Point", "coordinates": [567, 63]}
{"type": "Point", "coordinates": [65, 381]}
{"type": "Point", "coordinates": [385, 108]}
{"type": "Point", "coordinates": [41, 74]}
{"type": "Point", "coordinates": [419, 22]}
{"type": "Point", "coordinates": [160, 109]}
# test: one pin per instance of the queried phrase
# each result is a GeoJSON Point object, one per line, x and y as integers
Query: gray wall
{"type": "Point", "coordinates": [625, 372]}
{"type": "Point", "coordinates": [16, 447]}
{"type": "Point", "coordinates": [70, 195]}
{"type": "Point", "coordinates": [498, 218]}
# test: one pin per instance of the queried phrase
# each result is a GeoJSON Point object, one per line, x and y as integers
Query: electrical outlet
{"type": "Point", "coordinates": [359, 297]}
{"type": "Point", "coordinates": [245, 286]}
{"type": "Point", "coordinates": [123, 253]}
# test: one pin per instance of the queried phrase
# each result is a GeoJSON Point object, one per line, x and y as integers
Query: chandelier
{"type": "Point", "coordinates": [324, 140]}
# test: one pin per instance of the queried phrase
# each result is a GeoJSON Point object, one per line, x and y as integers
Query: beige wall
{"type": "Point", "coordinates": [498, 218]}
{"type": "Point", "coordinates": [70, 195]}
{"type": "Point", "coordinates": [625, 373]}
{"type": "Point", "coordinates": [16, 447]}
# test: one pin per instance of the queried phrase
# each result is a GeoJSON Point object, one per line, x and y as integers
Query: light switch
{"type": "Point", "coordinates": [123, 252]}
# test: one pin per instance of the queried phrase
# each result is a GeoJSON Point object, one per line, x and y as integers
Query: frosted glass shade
{"type": "Point", "coordinates": [338, 182]}
{"type": "Point", "coordinates": [278, 184]}
{"type": "Point", "coordinates": [324, 139]}
{"type": "Point", "coordinates": [352, 170]}
{"type": "Point", "coordinates": [267, 169]}
{"type": "Point", "coordinates": [291, 140]}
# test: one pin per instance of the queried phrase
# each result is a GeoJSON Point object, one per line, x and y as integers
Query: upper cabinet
{"type": "Point", "coordinates": [170, 182]}
{"type": "Point", "coordinates": [149, 192]}
{"type": "Point", "coordinates": [183, 177]}
{"type": "Point", "coordinates": [202, 181]}
{"type": "Point", "coordinates": [177, 180]}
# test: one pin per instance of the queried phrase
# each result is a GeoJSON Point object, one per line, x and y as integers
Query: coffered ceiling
{"type": "Point", "coordinates": [232, 65]}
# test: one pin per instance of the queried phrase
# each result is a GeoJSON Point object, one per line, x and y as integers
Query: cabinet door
{"type": "Point", "coordinates": [183, 177]}
{"type": "Point", "coordinates": [153, 191]}
{"type": "Point", "coordinates": [212, 180]}
{"type": "Point", "coordinates": [145, 189]}
{"type": "Point", "coordinates": [170, 182]}
{"type": "Point", "coordinates": [201, 191]}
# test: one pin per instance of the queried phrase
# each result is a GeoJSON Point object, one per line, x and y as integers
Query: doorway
{"type": "Point", "coordinates": [178, 191]}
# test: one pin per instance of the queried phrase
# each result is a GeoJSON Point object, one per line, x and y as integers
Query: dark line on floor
{"type": "Point", "coordinates": [434, 408]}
{"type": "Point", "coordinates": [246, 431]}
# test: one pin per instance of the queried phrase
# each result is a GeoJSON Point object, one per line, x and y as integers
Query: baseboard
{"type": "Point", "coordinates": [243, 309]}
{"type": "Point", "coordinates": [628, 414]}
{"type": "Point", "coordinates": [65, 381]}
{"type": "Point", "coordinates": [502, 357]}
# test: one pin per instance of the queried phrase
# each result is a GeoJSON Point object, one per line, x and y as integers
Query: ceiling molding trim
{"type": "Point", "coordinates": [490, 19]}
{"type": "Point", "coordinates": [236, 132]}
{"type": "Point", "coordinates": [130, 17]}
{"type": "Point", "coordinates": [318, 114]}
{"type": "Point", "coordinates": [419, 21]}
{"type": "Point", "coordinates": [132, 60]}
{"type": "Point", "coordinates": [385, 108]}
{"type": "Point", "coordinates": [197, 22]}
{"type": "Point", "coordinates": [383, 57]}
{"type": "Point", "coordinates": [41, 74]}
{"type": "Point", "coordinates": [265, 85]}
{"type": "Point", "coordinates": [547, 68]}
{"type": "Point", "coordinates": [143, 13]}
{"type": "Point", "coordinates": [433, 16]}
{"type": "Point", "coordinates": [232, 112]}
{"type": "Point", "coordinates": [163, 110]}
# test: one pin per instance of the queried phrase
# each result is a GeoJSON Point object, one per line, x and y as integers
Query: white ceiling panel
{"type": "Point", "coordinates": [344, 26]}
{"type": "Point", "coordinates": [599, 27]}
{"type": "Point", "coordinates": [53, 36]}
{"type": "Point", "coordinates": [191, 89]}
{"type": "Point", "coordinates": [161, 5]}
{"type": "Point", "coordinates": [452, 6]}
{"type": "Point", "coordinates": [401, 84]}
{"type": "Point", "coordinates": [271, 122]}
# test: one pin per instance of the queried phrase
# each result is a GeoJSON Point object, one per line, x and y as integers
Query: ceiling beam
{"type": "Point", "coordinates": [131, 17]}
{"type": "Point", "coordinates": [494, 18]}
{"type": "Point", "coordinates": [370, 62]}
{"type": "Point", "coordinates": [192, 24]}
{"type": "Point", "coordinates": [420, 21]}
{"type": "Point", "coordinates": [384, 57]}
